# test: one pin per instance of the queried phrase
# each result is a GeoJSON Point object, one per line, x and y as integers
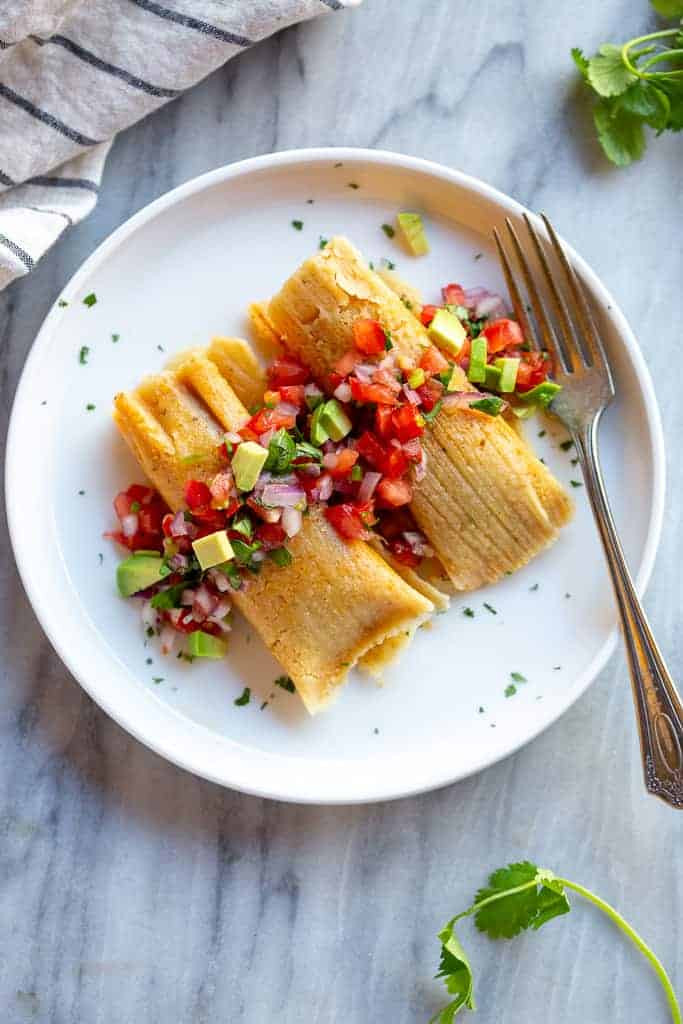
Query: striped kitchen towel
{"type": "Point", "coordinates": [74, 72]}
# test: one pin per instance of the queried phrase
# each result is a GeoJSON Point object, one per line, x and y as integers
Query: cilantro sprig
{"type": "Point", "coordinates": [518, 897]}
{"type": "Point", "coordinates": [638, 84]}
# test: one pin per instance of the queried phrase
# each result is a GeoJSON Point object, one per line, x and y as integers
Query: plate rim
{"type": "Point", "coordinates": [315, 155]}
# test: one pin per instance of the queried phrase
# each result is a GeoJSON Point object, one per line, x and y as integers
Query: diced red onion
{"type": "Point", "coordinates": [344, 487]}
{"type": "Point", "coordinates": [283, 496]}
{"type": "Point", "coordinates": [233, 438]}
{"type": "Point", "coordinates": [483, 303]}
{"type": "Point", "coordinates": [364, 371]}
{"type": "Point", "coordinates": [258, 556]}
{"type": "Point", "coordinates": [421, 467]}
{"type": "Point", "coordinates": [323, 490]}
{"type": "Point", "coordinates": [179, 525]}
{"type": "Point", "coordinates": [367, 486]}
{"type": "Point", "coordinates": [129, 524]}
{"type": "Point", "coordinates": [330, 460]}
{"type": "Point", "coordinates": [343, 392]}
{"type": "Point", "coordinates": [223, 608]}
{"type": "Point", "coordinates": [167, 638]}
{"type": "Point", "coordinates": [411, 395]}
{"type": "Point", "coordinates": [459, 399]}
{"type": "Point", "coordinates": [187, 597]}
{"type": "Point", "coordinates": [312, 391]}
{"type": "Point", "coordinates": [412, 448]}
{"type": "Point", "coordinates": [204, 602]}
{"type": "Point", "coordinates": [388, 363]}
{"type": "Point", "coordinates": [268, 515]}
{"type": "Point", "coordinates": [287, 409]}
{"type": "Point", "coordinates": [309, 469]}
{"type": "Point", "coordinates": [178, 562]}
{"type": "Point", "coordinates": [292, 521]}
{"type": "Point", "coordinates": [219, 580]}
{"type": "Point", "coordinates": [418, 544]}
{"type": "Point", "coordinates": [265, 439]}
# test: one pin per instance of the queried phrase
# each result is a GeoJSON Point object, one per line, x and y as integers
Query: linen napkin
{"type": "Point", "coordinates": [74, 72]}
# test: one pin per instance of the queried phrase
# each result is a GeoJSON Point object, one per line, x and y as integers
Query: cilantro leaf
{"type": "Point", "coordinates": [581, 61]}
{"type": "Point", "coordinates": [620, 134]}
{"type": "Point", "coordinates": [514, 912]}
{"type": "Point", "coordinates": [607, 72]}
{"type": "Point", "coordinates": [455, 969]}
{"type": "Point", "coordinates": [668, 8]}
{"type": "Point", "coordinates": [647, 102]}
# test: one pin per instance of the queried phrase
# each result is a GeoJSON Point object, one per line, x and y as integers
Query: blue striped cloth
{"type": "Point", "coordinates": [74, 73]}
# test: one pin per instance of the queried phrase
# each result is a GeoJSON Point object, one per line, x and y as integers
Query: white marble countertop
{"type": "Point", "coordinates": [131, 891]}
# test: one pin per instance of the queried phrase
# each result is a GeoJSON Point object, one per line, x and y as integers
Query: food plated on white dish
{"type": "Point", "coordinates": [506, 658]}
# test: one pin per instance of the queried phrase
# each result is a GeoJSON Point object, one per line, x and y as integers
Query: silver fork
{"type": "Point", "coordinates": [570, 335]}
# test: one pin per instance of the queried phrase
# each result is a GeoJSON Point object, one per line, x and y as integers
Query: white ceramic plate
{"type": "Point", "coordinates": [184, 269]}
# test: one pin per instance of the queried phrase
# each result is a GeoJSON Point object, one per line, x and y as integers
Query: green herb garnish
{"type": "Point", "coordinates": [285, 683]}
{"type": "Point", "coordinates": [428, 417]}
{"type": "Point", "coordinates": [157, 679]}
{"type": "Point", "coordinates": [281, 451]}
{"type": "Point", "coordinates": [638, 84]}
{"type": "Point", "coordinates": [90, 300]}
{"type": "Point", "coordinates": [576, 483]}
{"type": "Point", "coordinates": [520, 897]}
{"type": "Point", "coordinates": [566, 445]}
{"type": "Point", "coordinates": [281, 556]}
{"type": "Point", "coordinates": [244, 699]}
{"type": "Point", "coordinates": [231, 572]}
{"type": "Point", "coordinates": [356, 474]}
{"type": "Point", "coordinates": [322, 242]}
{"type": "Point", "coordinates": [518, 677]}
{"type": "Point", "coordinates": [490, 608]}
{"type": "Point", "coordinates": [62, 303]}
{"type": "Point", "coordinates": [388, 343]}
{"type": "Point", "coordinates": [297, 225]}
{"type": "Point", "coordinates": [469, 612]}
{"type": "Point", "coordinates": [115, 337]}
{"type": "Point", "coordinates": [83, 355]}
{"type": "Point", "coordinates": [242, 524]}
{"type": "Point", "coordinates": [388, 230]}
{"type": "Point", "coordinates": [491, 405]}
{"type": "Point", "coordinates": [90, 406]}
{"type": "Point", "coordinates": [510, 690]}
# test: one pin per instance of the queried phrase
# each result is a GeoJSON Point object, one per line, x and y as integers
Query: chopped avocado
{"type": "Point", "coordinates": [542, 394]}
{"type": "Point", "coordinates": [318, 433]}
{"type": "Point", "coordinates": [213, 549]}
{"type": "Point", "coordinates": [447, 331]}
{"type": "Point", "coordinates": [334, 420]}
{"type": "Point", "coordinates": [493, 375]}
{"type": "Point", "coordinates": [247, 463]}
{"type": "Point", "coordinates": [414, 233]}
{"type": "Point", "coordinates": [204, 645]}
{"type": "Point", "coordinates": [492, 405]}
{"type": "Point", "coordinates": [508, 373]}
{"type": "Point", "coordinates": [416, 378]}
{"type": "Point", "coordinates": [143, 569]}
{"type": "Point", "coordinates": [478, 354]}
{"type": "Point", "coordinates": [523, 412]}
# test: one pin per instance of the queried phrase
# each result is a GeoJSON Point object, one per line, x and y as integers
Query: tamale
{"type": "Point", "coordinates": [486, 503]}
{"type": "Point", "coordinates": [336, 601]}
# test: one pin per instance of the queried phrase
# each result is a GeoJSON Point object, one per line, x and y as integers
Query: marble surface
{"type": "Point", "coordinates": [130, 891]}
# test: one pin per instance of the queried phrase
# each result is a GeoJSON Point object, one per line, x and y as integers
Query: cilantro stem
{"type": "Point", "coordinates": [633, 43]}
{"type": "Point", "coordinates": [635, 938]}
{"type": "Point", "coordinates": [663, 55]}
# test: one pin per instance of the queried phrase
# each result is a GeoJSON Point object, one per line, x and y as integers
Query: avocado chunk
{"type": "Point", "coordinates": [542, 394]}
{"type": "Point", "coordinates": [318, 433]}
{"type": "Point", "coordinates": [508, 373]}
{"type": "Point", "coordinates": [447, 331]}
{"type": "Point", "coordinates": [143, 569]}
{"type": "Point", "coordinates": [204, 645]}
{"type": "Point", "coordinates": [214, 549]}
{"type": "Point", "coordinates": [334, 420]}
{"type": "Point", "coordinates": [247, 463]}
{"type": "Point", "coordinates": [416, 378]}
{"type": "Point", "coordinates": [414, 233]}
{"type": "Point", "coordinates": [478, 354]}
{"type": "Point", "coordinates": [493, 375]}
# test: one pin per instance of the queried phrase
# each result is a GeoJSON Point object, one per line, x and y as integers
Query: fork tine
{"type": "Point", "coordinates": [517, 301]}
{"type": "Point", "coordinates": [573, 354]}
{"type": "Point", "coordinates": [583, 311]}
{"type": "Point", "coordinates": [549, 337]}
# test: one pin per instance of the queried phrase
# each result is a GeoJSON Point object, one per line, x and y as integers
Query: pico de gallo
{"type": "Point", "coordinates": [350, 444]}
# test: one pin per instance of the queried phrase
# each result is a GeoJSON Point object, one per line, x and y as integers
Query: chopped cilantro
{"type": "Point", "coordinates": [376, 731]}
{"type": "Point", "coordinates": [406, 302]}
{"type": "Point", "coordinates": [90, 300]}
{"type": "Point", "coordinates": [169, 598]}
{"type": "Point", "coordinates": [535, 587]}
{"type": "Point", "coordinates": [161, 348]}
{"type": "Point", "coordinates": [469, 612]}
{"type": "Point", "coordinates": [281, 451]}
{"type": "Point", "coordinates": [481, 710]}
{"type": "Point", "coordinates": [556, 668]}
{"type": "Point", "coordinates": [389, 264]}
{"type": "Point", "coordinates": [510, 690]}
{"type": "Point", "coordinates": [356, 473]}
{"type": "Point", "coordinates": [567, 594]}
{"type": "Point", "coordinates": [286, 683]}
{"type": "Point", "coordinates": [566, 445]}
{"type": "Point", "coordinates": [541, 433]}
{"type": "Point", "coordinates": [149, 661]}
{"type": "Point", "coordinates": [150, 631]}
{"type": "Point", "coordinates": [90, 406]}
{"type": "Point", "coordinates": [157, 679]}
{"type": "Point", "coordinates": [518, 677]}
{"type": "Point", "coordinates": [115, 337]}
{"type": "Point", "coordinates": [575, 461]}
{"type": "Point", "coordinates": [388, 343]}
{"type": "Point", "coordinates": [478, 255]}
{"type": "Point", "coordinates": [281, 556]}
{"type": "Point", "coordinates": [242, 524]}
{"type": "Point", "coordinates": [100, 557]}
{"type": "Point", "coordinates": [83, 355]}
{"type": "Point", "coordinates": [490, 608]}
{"type": "Point", "coordinates": [297, 225]}
{"type": "Point", "coordinates": [322, 243]}
{"type": "Point", "coordinates": [576, 483]}
{"type": "Point", "coordinates": [81, 493]}
{"type": "Point", "coordinates": [62, 303]}
{"type": "Point", "coordinates": [491, 405]}
{"type": "Point", "coordinates": [388, 230]}
{"type": "Point", "coordinates": [433, 413]}
{"type": "Point", "coordinates": [244, 699]}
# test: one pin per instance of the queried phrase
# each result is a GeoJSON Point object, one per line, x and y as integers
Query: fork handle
{"type": "Point", "coordinates": [658, 706]}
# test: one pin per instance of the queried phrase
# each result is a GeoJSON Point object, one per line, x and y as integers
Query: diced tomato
{"type": "Point", "coordinates": [407, 422]}
{"type": "Point", "coordinates": [185, 621]}
{"type": "Point", "coordinates": [413, 450]}
{"type": "Point", "coordinates": [347, 521]}
{"type": "Point", "coordinates": [502, 333]}
{"type": "Point", "coordinates": [287, 371]}
{"type": "Point", "coordinates": [453, 295]}
{"type": "Point", "coordinates": [345, 365]}
{"type": "Point", "coordinates": [346, 460]}
{"type": "Point", "coordinates": [393, 493]}
{"type": "Point", "coordinates": [208, 521]}
{"type": "Point", "coordinates": [369, 448]}
{"type": "Point", "coordinates": [308, 482]}
{"type": "Point", "coordinates": [271, 535]}
{"type": "Point", "coordinates": [197, 494]}
{"type": "Point", "coordinates": [149, 518]}
{"type": "Point", "coordinates": [395, 463]}
{"type": "Point", "coordinates": [369, 337]}
{"type": "Point", "coordinates": [427, 315]}
{"type": "Point", "coordinates": [363, 391]}
{"type": "Point", "coordinates": [268, 419]}
{"type": "Point", "coordinates": [432, 362]}
{"type": "Point", "coordinates": [403, 553]}
{"type": "Point", "coordinates": [383, 423]}
{"type": "Point", "coordinates": [136, 494]}
{"type": "Point", "coordinates": [293, 393]}
{"type": "Point", "coordinates": [430, 393]}
{"type": "Point", "coordinates": [532, 370]}
{"type": "Point", "coordinates": [222, 489]}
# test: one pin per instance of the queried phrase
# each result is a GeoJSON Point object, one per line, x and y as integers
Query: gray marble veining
{"type": "Point", "coordinates": [131, 891]}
